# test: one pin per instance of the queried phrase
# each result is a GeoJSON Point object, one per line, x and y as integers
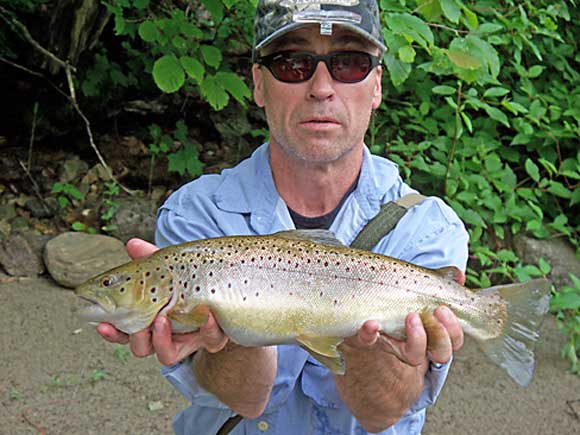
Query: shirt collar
{"type": "Point", "coordinates": [249, 188]}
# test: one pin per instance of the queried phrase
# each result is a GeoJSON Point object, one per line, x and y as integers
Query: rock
{"type": "Point", "coordinates": [135, 217]}
{"type": "Point", "coordinates": [72, 258]}
{"type": "Point", "coordinates": [557, 252]}
{"type": "Point", "coordinates": [38, 209]}
{"type": "Point", "coordinates": [19, 257]}
{"type": "Point", "coordinates": [72, 169]}
{"type": "Point", "coordinates": [7, 212]}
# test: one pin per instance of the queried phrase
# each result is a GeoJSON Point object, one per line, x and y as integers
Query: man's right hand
{"type": "Point", "coordinates": [157, 338]}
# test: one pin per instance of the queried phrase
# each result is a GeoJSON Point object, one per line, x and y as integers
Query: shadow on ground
{"type": "Point", "coordinates": [59, 377]}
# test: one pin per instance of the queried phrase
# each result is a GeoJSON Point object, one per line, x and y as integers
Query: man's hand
{"type": "Point", "coordinates": [158, 339]}
{"type": "Point", "coordinates": [384, 376]}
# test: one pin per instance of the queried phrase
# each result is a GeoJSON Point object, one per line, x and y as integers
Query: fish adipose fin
{"type": "Point", "coordinates": [325, 350]}
{"type": "Point", "coordinates": [513, 349]}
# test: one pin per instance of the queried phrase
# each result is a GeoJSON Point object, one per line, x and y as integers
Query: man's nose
{"type": "Point", "coordinates": [321, 83]}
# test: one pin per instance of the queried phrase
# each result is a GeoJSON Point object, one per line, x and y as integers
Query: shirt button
{"type": "Point", "coordinates": [263, 426]}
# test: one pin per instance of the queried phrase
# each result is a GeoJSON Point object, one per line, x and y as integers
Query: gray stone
{"type": "Point", "coordinates": [72, 170]}
{"type": "Point", "coordinates": [19, 258]}
{"type": "Point", "coordinates": [7, 212]}
{"type": "Point", "coordinates": [557, 252]}
{"type": "Point", "coordinates": [135, 217]}
{"type": "Point", "coordinates": [72, 258]}
{"type": "Point", "coordinates": [38, 209]}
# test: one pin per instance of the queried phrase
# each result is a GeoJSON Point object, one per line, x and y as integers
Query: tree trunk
{"type": "Point", "coordinates": [75, 26]}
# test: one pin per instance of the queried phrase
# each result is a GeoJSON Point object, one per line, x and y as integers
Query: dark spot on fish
{"type": "Point", "coordinates": [153, 290]}
{"type": "Point", "coordinates": [182, 296]}
{"type": "Point", "coordinates": [185, 284]}
{"type": "Point", "coordinates": [257, 294]}
{"type": "Point", "coordinates": [321, 293]}
{"type": "Point", "coordinates": [170, 289]}
{"type": "Point", "coordinates": [213, 290]}
{"type": "Point", "coordinates": [122, 290]}
{"type": "Point", "coordinates": [245, 281]}
{"type": "Point", "coordinates": [157, 269]}
{"type": "Point", "coordinates": [154, 300]}
{"type": "Point", "coordinates": [244, 298]}
{"type": "Point", "coordinates": [335, 302]}
{"type": "Point", "coordinates": [396, 282]}
{"type": "Point", "coordinates": [183, 267]}
{"type": "Point", "coordinates": [162, 276]}
{"type": "Point", "coordinates": [128, 279]}
{"type": "Point", "coordinates": [197, 288]}
{"type": "Point", "coordinates": [210, 274]}
{"type": "Point", "coordinates": [141, 282]}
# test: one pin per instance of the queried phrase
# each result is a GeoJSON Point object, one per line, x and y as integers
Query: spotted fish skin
{"type": "Point", "coordinates": [303, 287]}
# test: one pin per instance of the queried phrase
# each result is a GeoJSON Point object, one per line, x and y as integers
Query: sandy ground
{"type": "Point", "coordinates": [59, 378]}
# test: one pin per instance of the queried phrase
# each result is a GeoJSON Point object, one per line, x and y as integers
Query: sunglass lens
{"type": "Point", "coordinates": [350, 67]}
{"type": "Point", "coordinates": [292, 67]}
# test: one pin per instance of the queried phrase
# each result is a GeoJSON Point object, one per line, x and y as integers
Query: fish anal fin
{"type": "Point", "coordinates": [325, 350]}
{"type": "Point", "coordinates": [452, 273]}
{"type": "Point", "coordinates": [196, 317]}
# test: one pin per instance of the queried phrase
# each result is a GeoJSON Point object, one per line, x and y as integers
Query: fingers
{"type": "Point", "coordinates": [212, 336]}
{"type": "Point", "coordinates": [137, 248]}
{"type": "Point", "coordinates": [112, 334]}
{"type": "Point", "coordinates": [450, 322]}
{"type": "Point", "coordinates": [414, 349]}
{"type": "Point", "coordinates": [439, 347]}
{"type": "Point", "coordinates": [140, 343]}
{"type": "Point", "coordinates": [172, 348]}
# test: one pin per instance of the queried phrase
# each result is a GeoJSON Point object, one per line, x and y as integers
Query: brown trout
{"type": "Point", "coordinates": [306, 288]}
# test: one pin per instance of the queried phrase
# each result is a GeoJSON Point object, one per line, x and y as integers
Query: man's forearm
{"type": "Point", "coordinates": [240, 377]}
{"type": "Point", "coordinates": [378, 394]}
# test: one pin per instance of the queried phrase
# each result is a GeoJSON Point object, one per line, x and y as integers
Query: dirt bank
{"type": "Point", "coordinates": [59, 377]}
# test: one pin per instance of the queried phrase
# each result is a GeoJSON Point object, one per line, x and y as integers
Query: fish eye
{"type": "Point", "coordinates": [106, 281]}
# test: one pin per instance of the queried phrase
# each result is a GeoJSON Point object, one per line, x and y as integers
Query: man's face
{"type": "Point", "coordinates": [319, 120]}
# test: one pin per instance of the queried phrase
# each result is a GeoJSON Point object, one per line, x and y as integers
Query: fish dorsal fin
{"type": "Point", "coordinates": [324, 237]}
{"type": "Point", "coordinates": [325, 350]}
{"type": "Point", "coordinates": [452, 273]}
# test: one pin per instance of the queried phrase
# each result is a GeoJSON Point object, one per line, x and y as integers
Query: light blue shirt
{"type": "Point", "coordinates": [244, 201]}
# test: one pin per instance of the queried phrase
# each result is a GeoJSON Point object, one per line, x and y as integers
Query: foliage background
{"type": "Point", "coordinates": [481, 105]}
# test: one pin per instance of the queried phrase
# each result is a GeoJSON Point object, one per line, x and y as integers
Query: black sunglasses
{"type": "Point", "coordinates": [299, 66]}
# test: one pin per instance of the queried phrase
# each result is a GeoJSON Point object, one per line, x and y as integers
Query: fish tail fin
{"type": "Point", "coordinates": [513, 350]}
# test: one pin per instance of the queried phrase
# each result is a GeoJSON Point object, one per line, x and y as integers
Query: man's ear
{"type": "Point", "coordinates": [378, 91]}
{"type": "Point", "coordinates": [258, 77]}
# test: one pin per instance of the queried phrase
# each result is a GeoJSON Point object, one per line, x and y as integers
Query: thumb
{"type": "Point", "coordinates": [138, 248]}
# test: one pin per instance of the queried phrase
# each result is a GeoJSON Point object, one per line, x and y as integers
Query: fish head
{"type": "Point", "coordinates": [129, 296]}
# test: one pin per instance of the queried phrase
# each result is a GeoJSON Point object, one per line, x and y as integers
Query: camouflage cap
{"type": "Point", "coordinates": [274, 18]}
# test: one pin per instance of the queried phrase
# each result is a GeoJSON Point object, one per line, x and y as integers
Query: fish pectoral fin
{"type": "Point", "coordinates": [325, 350]}
{"type": "Point", "coordinates": [196, 317]}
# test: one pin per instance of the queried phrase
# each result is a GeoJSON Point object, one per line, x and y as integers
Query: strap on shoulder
{"type": "Point", "coordinates": [384, 221]}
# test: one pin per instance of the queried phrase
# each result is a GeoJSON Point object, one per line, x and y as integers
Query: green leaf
{"type": "Point", "coordinates": [213, 91]}
{"type": "Point", "coordinates": [467, 121]}
{"type": "Point", "coordinates": [193, 67]}
{"type": "Point", "coordinates": [493, 163]}
{"type": "Point", "coordinates": [168, 74]}
{"type": "Point", "coordinates": [141, 4]}
{"type": "Point", "coordinates": [532, 170]}
{"type": "Point", "coordinates": [211, 55]}
{"type": "Point", "coordinates": [544, 266]}
{"type": "Point", "coordinates": [78, 226]}
{"type": "Point", "coordinates": [497, 114]}
{"type": "Point", "coordinates": [536, 71]}
{"type": "Point", "coordinates": [185, 160]}
{"type": "Point", "coordinates": [234, 85]}
{"type": "Point", "coordinates": [148, 31]}
{"type": "Point", "coordinates": [490, 28]}
{"type": "Point", "coordinates": [575, 199]}
{"type": "Point", "coordinates": [559, 189]}
{"type": "Point", "coordinates": [411, 27]}
{"type": "Point", "coordinates": [407, 54]}
{"type": "Point", "coordinates": [451, 10]}
{"type": "Point", "coordinates": [444, 90]}
{"type": "Point", "coordinates": [463, 60]}
{"type": "Point", "coordinates": [565, 301]}
{"type": "Point", "coordinates": [398, 71]}
{"type": "Point", "coordinates": [471, 18]}
{"type": "Point", "coordinates": [215, 8]}
{"type": "Point", "coordinates": [495, 92]}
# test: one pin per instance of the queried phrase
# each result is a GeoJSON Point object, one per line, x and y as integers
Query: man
{"type": "Point", "coordinates": [317, 74]}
